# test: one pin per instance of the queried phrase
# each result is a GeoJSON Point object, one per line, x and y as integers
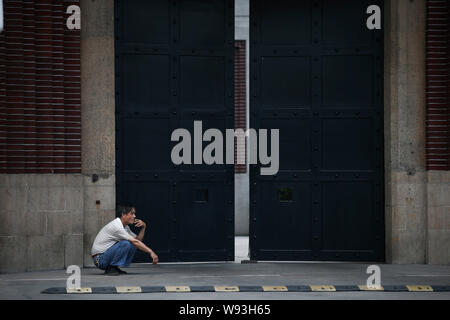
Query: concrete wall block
{"type": "Point", "coordinates": [439, 218]}
{"type": "Point", "coordinates": [410, 44]}
{"type": "Point", "coordinates": [73, 250]}
{"type": "Point", "coordinates": [388, 232]}
{"type": "Point", "coordinates": [103, 180]}
{"type": "Point", "coordinates": [242, 8]}
{"type": "Point", "coordinates": [408, 177]}
{"type": "Point", "coordinates": [31, 180]}
{"type": "Point", "coordinates": [241, 30]}
{"type": "Point", "coordinates": [399, 218]}
{"type": "Point", "coordinates": [73, 198]}
{"type": "Point", "coordinates": [73, 180]}
{"type": "Point", "coordinates": [411, 144]}
{"type": "Point", "coordinates": [12, 223]}
{"type": "Point", "coordinates": [37, 199]}
{"type": "Point", "coordinates": [55, 180]}
{"type": "Point", "coordinates": [95, 220]}
{"type": "Point", "coordinates": [45, 198]}
{"type": "Point", "coordinates": [97, 18]}
{"type": "Point", "coordinates": [56, 198]}
{"type": "Point", "coordinates": [4, 180]}
{"type": "Point", "coordinates": [106, 216]}
{"type": "Point", "coordinates": [88, 240]}
{"type": "Point", "coordinates": [13, 254]}
{"type": "Point", "coordinates": [439, 194]}
{"type": "Point", "coordinates": [36, 223]}
{"type": "Point", "coordinates": [388, 194]}
{"type": "Point", "coordinates": [412, 13]}
{"type": "Point", "coordinates": [409, 195]}
{"type": "Point", "coordinates": [416, 218]}
{"type": "Point", "coordinates": [65, 222]}
{"type": "Point", "coordinates": [438, 177]}
{"type": "Point", "coordinates": [45, 253]}
{"type": "Point", "coordinates": [409, 247]}
{"type": "Point", "coordinates": [106, 195]}
{"type": "Point", "coordinates": [44, 180]}
{"type": "Point", "coordinates": [12, 198]}
{"type": "Point", "coordinates": [242, 204]}
{"type": "Point", "coordinates": [18, 180]}
{"type": "Point", "coordinates": [92, 222]}
{"type": "Point", "coordinates": [439, 247]}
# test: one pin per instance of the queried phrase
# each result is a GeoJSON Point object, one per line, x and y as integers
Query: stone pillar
{"type": "Point", "coordinates": [97, 109]}
{"type": "Point", "coordinates": [241, 181]}
{"type": "Point", "coordinates": [405, 170]}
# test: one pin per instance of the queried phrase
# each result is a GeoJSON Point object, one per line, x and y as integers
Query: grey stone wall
{"type": "Point", "coordinates": [438, 249]}
{"type": "Point", "coordinates": [98, 121]}
{"type": "Point", "coordinates": [241, 181]}
{"type": "Point", "coordinates": [49, 221]}
{"type": "Point", "coordinates": [41, 221]}
{"type": "Point", "coordinates": [405, 178]}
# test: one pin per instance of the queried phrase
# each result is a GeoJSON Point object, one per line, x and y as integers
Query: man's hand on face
{"type": "Point", "coordinates": [139, 223]}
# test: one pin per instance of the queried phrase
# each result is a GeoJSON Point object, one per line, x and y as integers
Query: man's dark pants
{"type": "Point", "coordinates": [119, 255]}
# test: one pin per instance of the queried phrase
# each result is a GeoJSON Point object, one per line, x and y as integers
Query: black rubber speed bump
{"type": "Point", "coordinates": [395, 288]}
{"type": "Point", "coordinates": [299, 288]}
{"type": "Point", "coordinates": [250, 289]}
{"type": "Point", "coordinates": [202, 289]}
{"type": "Point", "coordinates": [291, 288]}
{"type": "Point", "coordinates": [153, 289]}
{"type": "Point", "coordinates": [441, 288]}
{"type": "Point", "coordinates": [104, 290]}
{"type": "Point", "coordinates": [58, 290]}
{"type": "Point", "coordinates": [347, 288]}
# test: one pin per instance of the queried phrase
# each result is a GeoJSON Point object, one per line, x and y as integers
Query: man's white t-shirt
{"type": "Point", "coordinates": [110, 234]}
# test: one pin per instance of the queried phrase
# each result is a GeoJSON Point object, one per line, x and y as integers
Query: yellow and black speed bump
{"type": "Point", "coordinates": [420, 288]}
{"type": "Point", "coordinates": [323, 288]}
{"type": "Point", "coordinates": [279, 288]}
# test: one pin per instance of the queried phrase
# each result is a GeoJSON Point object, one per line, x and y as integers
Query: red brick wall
{"type": "Point", "coordinates": [240, 98]}
{"type": "Point", "coordinates": [438, 84]}
{"type": "Point", "coordinates": [40, 94]}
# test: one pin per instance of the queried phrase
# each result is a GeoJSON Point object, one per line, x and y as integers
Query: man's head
{"type": "Point", "coordinates": [127, 214]}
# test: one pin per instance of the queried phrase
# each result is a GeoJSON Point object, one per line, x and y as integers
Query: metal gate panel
{"type": "Point", "coordinates": [174, 66]}
{"type": "Point", "coordinates": [316, 75]}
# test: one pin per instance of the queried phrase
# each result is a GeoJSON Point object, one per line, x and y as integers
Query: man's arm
{"type": "Point", "coordinates": [140, 224]}
{"type": "Point", "coordinates": [141, 246]}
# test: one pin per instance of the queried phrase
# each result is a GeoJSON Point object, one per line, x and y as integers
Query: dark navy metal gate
{"type": "Point", "coordinates": [317, 75]}
{"type": "Point", "coordinates": [174, 65]}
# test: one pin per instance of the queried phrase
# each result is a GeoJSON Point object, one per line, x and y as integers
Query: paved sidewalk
{"type": "Point", "coordinates": [29, 285]}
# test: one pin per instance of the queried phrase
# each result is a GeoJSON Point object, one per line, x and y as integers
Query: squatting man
{"type": "Point", "coordinates": [115, 244]}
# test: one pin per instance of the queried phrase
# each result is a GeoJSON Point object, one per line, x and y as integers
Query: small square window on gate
{"type": "Point", "coordinates": [286, 195]}
{"type": "Point", "coordinates": [201, 195]}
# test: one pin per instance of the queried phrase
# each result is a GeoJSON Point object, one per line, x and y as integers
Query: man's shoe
{"type": "Point", "coordinates": [111, 271]}
{"type": "Point", "coordinates": [121, 271]}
